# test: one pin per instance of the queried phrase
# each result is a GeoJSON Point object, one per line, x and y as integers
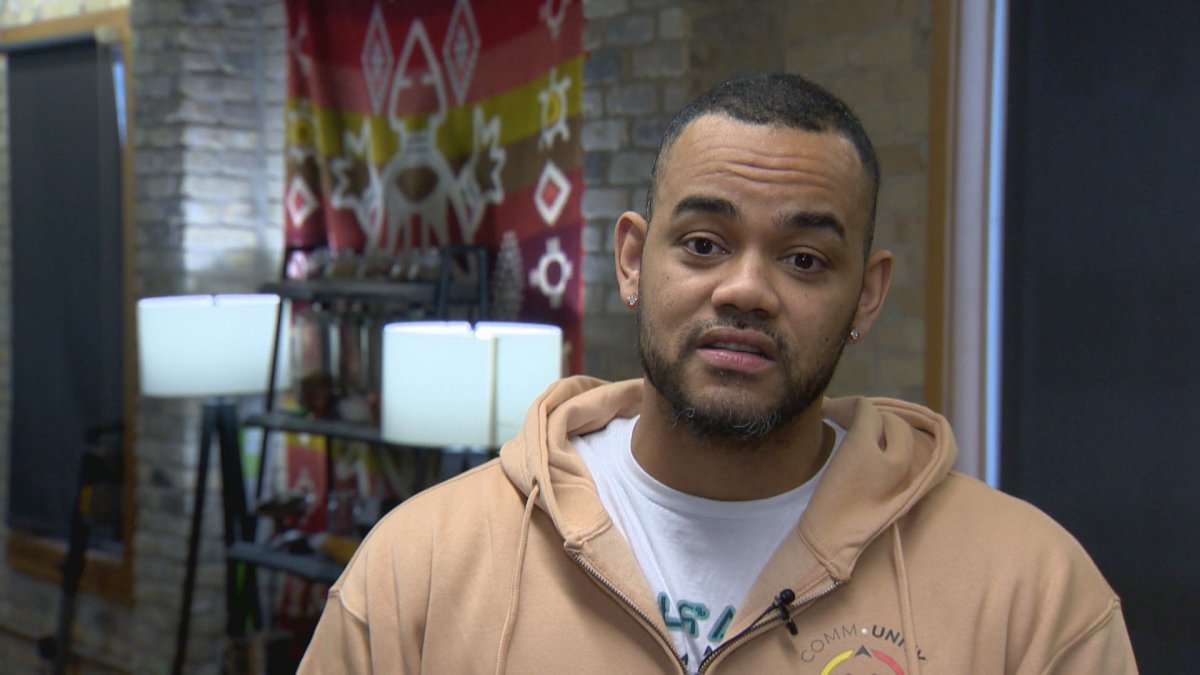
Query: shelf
{"type": "Point", "coordinates": [420, 292]}
{"type": "Point", "coordinates": [357, 289]}
{"type": "Point", "coordinates": [442, 293]}
{"type": "Point", "coordinates": [350, 431]}
{"type": "Point", "coordinates": [310, 565]}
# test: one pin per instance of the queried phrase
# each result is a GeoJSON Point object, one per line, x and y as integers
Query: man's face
{"type": "Point", "coordinates": [751, 273]}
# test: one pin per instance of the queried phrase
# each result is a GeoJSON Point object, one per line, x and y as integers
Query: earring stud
{"type": "Point", "coordinates": [854, 334]}
{"type": "Point", "coordinates": [631, 299]}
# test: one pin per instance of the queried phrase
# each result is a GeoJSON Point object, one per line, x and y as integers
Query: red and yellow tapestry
{"type": "Point", "coordinates": [422, 123]}
{"type": "Point", "coordinates": [412, 125]}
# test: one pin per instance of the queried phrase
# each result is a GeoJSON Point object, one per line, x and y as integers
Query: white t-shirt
{"type": "Point", "coordinates": [700, 555]}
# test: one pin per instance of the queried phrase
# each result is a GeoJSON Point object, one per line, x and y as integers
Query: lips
{"type": "Point", "coordinates": [737, 350]}
{"type": "Point", "coordinates": [735, 346]}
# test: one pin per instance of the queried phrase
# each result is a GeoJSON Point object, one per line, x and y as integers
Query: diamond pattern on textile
{"type": "Point", "coordinates": [300, 201]}
{"type": "Point", "coordinates": [377, 59]}
{"type": "Point", "coordinates": [460, 50]}
{"type": "Point", "coordinates": [551, 194]}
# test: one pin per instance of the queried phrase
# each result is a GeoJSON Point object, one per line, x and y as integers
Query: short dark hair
{"type": "Point", "coordinates": [775, 99]}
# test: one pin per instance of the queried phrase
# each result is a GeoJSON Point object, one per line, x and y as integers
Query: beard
{"type": "Point", "coordinates": [730, 421]}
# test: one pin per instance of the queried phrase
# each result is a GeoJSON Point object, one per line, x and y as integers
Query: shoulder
{"type": "Point", "coordinates": [970, 501]}
{"type": "Point", "coordinates": [438, 512]}
{"type": "Point", "coordinates": [991, 570]}
{"type": "Point", "coordinates": [453, 520]}
{"type": "Point", "coordinates": [993, 522]}
{"type": "Point", "coordinates": [1010, 569]}
{"type": "Point", "coordinates": [985, 535]}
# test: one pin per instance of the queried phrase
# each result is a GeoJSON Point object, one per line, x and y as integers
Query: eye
{"type": "Point", "coordinates": [806, 262]}
{"type": "Point", "coordinates": [702, 246]}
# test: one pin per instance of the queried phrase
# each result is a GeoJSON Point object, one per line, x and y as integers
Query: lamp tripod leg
{"type": "Point", "coordinates": [208, 425]}
{"type": "Point", "coordinates": [241, 587]}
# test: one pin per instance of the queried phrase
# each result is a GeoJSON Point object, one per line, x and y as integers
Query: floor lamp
{"type": "Point", "coordinates": [461, 388]}
{"type": "Point", "coordinates": [215, 348]}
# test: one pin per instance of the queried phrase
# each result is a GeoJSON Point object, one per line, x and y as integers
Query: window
{"type": "Point", "coordinates": [71, 350]}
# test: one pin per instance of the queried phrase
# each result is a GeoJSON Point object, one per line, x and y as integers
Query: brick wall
{"type": "Point", "coordinates": [208, 119]}
{"type": "Point", "coordinates": [633, 78]}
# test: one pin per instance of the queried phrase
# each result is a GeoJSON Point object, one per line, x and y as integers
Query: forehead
{"type": "Point", "coordinates": [814, 169]}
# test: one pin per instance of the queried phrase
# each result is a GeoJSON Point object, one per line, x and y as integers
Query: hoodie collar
{"type": "Point", "coordinates": [540, 452]}
{"type": "Point", "coordinates": [893, 454]}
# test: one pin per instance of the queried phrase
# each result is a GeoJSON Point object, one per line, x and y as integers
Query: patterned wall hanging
{"type": "Point", "coordinates": [418, 124]}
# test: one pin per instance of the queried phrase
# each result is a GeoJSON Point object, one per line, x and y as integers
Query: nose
{"type": "Point", "coordinates": [746, 284]}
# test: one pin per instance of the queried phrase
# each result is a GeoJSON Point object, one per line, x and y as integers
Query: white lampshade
{"type": "Point", "coordinates": [528, 359]}
{"type": "Point", "coordinates": [436, 387]}
{"type": "Point", "coordinates": [445, 384]}
{"type": "Point", "coordinates": [203, 345]}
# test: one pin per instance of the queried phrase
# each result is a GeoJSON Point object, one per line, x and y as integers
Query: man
{"type": "Point", "coordinates": [721, 515]}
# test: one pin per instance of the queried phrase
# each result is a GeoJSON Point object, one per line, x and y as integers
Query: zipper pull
{"type": "Point", "coordinates": [785, 598]}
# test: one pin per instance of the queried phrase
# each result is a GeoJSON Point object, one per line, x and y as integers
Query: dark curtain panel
{"type": "Point", "coordinates": [66, 273]}
{"type": "Point", "coordinates": [1101, 383]}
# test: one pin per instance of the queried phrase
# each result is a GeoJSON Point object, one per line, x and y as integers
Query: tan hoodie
{"type": "Point", "coordinates": [899, 565]}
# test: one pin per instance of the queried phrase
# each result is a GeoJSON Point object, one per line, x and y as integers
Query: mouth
{"type": "Point", "coordinates": [734, 347]}
{"type": "Point", "coordinates": [737, 350]}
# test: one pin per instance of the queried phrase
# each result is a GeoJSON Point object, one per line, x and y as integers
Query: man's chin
{"type": "Point", "coordinates": [737, 392]}
{"type": "Point", "coordinates": [728, 424]}
{"type": "Point", "coordinates": [720, 404]}
{"type": "Point", "coordinates": [728, 411]}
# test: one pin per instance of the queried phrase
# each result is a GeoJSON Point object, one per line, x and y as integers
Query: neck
{"type": "Point", "coordinates": [725, 469]}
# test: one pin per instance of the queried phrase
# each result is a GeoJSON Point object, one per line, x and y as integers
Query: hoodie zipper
{"type": "Point", "coordinates": [772, 616]}
{"type": "Point", "coordinates": [616, 593]}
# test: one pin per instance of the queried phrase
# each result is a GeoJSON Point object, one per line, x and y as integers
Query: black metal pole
{"type": "Point", "coordinates": [208, 424]}
{"type": "Point", "coordinates": [241, 598]}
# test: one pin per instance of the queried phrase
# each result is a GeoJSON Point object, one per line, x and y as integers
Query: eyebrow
{"type": "Point", "coordinates": [705, 204]}
{"type": "Point", "coordinates": [815, 220]}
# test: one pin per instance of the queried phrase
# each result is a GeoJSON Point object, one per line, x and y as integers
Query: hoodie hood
{"type": "Point", "coordinates": [893, 454]}
{"type": "Point", "coordinates": [541, 455]}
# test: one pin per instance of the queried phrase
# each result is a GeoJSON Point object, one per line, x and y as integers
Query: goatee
{"type": "Point", "coordinates": [731, 422]}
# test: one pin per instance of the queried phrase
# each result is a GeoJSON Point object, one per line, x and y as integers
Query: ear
{"type": "Point", "coordinates": [877, 279]}
{"type": "Point", "coordinates": [629, 241]}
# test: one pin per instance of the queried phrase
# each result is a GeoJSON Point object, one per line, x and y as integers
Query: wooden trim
{"type": "Point", "coordinates": [82, 654]}
{"type": "Point", "coordinates": [943, 62]}
{"type": "Point", "coordinates": [129, 308]}
{"type": "Point", "coordinates": [104, 574]}
{"type": "Point", "coordinates": [110, 19]}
